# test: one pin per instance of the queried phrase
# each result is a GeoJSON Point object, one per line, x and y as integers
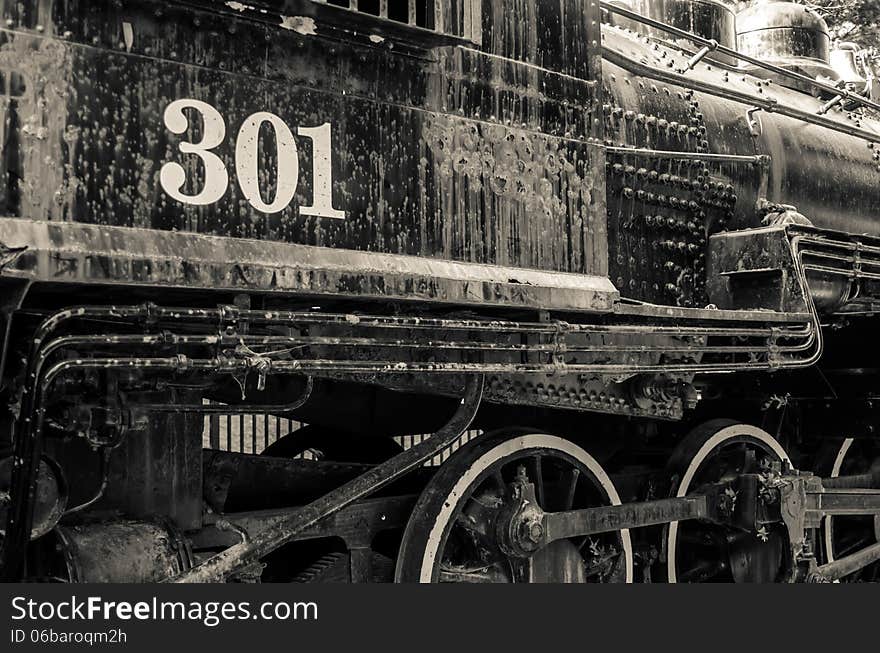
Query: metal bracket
{"type": "Point", "coordinates": [792, 508]}
{"type": "Point", "coordinates": [707, 49]}
{"type": "Point", "coordinates": [755, 126]}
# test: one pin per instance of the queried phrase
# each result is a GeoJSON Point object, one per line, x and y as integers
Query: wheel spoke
{"type": "Point", "coordinates": [572, 488]}
{"type": "Point", "coordinates": [854, 545]}
{"type": "Point", "coordinates": [499, 482]}
{"type": "Point", "coordinates": [539, 481]}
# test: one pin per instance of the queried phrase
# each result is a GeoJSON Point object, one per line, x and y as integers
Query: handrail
{"type": "Point", "coordinates": [730, 52]}
{"type": "Point", "coordinates": [763, 103]}
{"type": "Point", "coordinates": [758, 159]}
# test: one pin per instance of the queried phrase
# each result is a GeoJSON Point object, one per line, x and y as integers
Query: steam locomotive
{"type": "Point", "coordinates": [634, 247]}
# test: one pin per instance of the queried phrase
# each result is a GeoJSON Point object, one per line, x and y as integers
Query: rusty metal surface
{"type": "Point", "coordinates": [72, 252]}
{"type": "Point", "coordinates": [447, 147]}
{"type": "Point", "coordinates": [122, 551]}
{"type": "Point", "coordinates": [754, 269]}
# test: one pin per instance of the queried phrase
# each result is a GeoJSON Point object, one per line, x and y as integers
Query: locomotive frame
{"type": "Point", "coordinates": [509, 291]}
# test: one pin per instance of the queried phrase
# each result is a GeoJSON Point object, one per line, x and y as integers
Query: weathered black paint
{"type": "Point", "coordinates": [439, 149]}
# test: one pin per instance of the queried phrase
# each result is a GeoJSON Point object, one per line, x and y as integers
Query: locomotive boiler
{"type": "Point", "coordinates": [555, 292]}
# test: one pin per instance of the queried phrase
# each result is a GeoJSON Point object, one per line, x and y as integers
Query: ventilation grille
{"type": "Point", "coordinates": [253, 433]}
{"type": "Point", "coordinates": [459, 18]}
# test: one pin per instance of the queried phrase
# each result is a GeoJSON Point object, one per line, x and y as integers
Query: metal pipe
{"type": "Point", "coordinates": [344, 341]}
{"type": "Point", "coordinates": [850, 274]}
{"type": "Point", "coordinates": [833, 102]}
{"type": "Point", "coordinates": [702, 54]}
{"type": "Point", "coordinates": [760, 159]}
{"type": "Point", "coordinates": [235, 409]}
{"type": "Point", "coordinates": [839, 244]}
{"type": "Point", "coordinates": [288, 318]}
{"type": "Point", "coordinates": [410, 323]}
{"type": "Point", "coordinates": [105, 479]}
{"type": "Point", "coordinates": [229, 366]}
{"type": "Point", "coordinates": [241, 555]}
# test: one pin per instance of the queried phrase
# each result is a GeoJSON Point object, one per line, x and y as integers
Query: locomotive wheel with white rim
{"type": "Point", "coordinates": [698, 551]}
{"type": "Point", "coordinates": [452, 535]}
{"type": "Point", "coordinates": [847, 534]}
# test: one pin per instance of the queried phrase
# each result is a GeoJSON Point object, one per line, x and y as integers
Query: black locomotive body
{"type": "Point", "coordinates": [639, 264]}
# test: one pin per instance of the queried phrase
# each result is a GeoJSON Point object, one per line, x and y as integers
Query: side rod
{"type": "Point", "coordinates": [603, 519]}
{"type": "Point", "coordinates": [591, 521]}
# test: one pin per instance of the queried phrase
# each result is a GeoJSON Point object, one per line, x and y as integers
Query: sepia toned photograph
{"type": "Point", "coordinates": [436, 292]}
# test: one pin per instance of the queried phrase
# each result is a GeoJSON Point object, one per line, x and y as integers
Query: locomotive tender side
{"type": "Point", "coordinates": [578, 219]}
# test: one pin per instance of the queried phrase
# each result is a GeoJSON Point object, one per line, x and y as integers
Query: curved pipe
{"type": "Point", "coordinates": [236, 409]}
{"type": "Point", "coordinates": [105, 479]}
{"type": "Point", "coordinates": [241, 555]}
{"type": "Point", "coordinates": [27, 448]}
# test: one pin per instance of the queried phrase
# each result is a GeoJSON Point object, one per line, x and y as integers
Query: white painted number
{"type": "Point", "coordinates": [247, 168]}
{"type": "Point", "coordinates": [322, 201]}
{"type": "Point", "coordinates": [247, 164]}
{"type": "Point", "coordinates": [173, 176]}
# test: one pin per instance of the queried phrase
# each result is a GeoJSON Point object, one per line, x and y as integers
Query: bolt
{"type": "Point", "coordinates": [535, 531]}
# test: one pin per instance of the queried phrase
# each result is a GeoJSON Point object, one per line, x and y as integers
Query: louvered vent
{"type": "Point", "coordinates": [456, 18]}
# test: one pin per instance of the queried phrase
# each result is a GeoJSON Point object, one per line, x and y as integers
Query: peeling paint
{"type": "Point", "coordinates": [237, 6]}
{"type": "Point", "coordinates": [299, 24]}
{"type": "Point", "coordinates": [375, 38]}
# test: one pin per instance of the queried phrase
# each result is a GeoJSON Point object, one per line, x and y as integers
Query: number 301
{"type": "Point", "coordinates": [173, 176]}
